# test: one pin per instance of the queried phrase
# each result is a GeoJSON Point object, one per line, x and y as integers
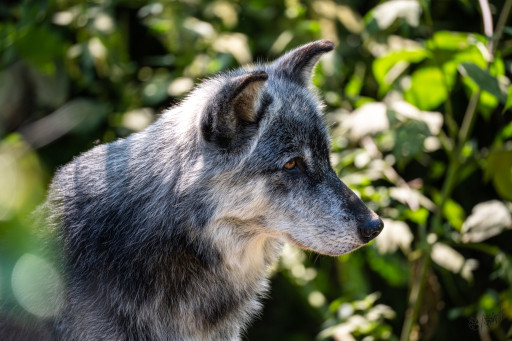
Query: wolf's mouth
{"type": "Point", "coordinates": [293, 241]}
{"type": "Point", "coordinates": [298, 244]}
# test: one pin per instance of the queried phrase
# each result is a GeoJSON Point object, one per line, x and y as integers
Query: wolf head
{"type": "Point", "coordinates": [266, 150]}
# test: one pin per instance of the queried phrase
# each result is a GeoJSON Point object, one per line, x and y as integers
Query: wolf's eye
{"type": "Point", "coordinates": [291, 165]}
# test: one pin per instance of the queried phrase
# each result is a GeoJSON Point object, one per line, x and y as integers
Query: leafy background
{"type": "Point", "coordinates": [418, 99]}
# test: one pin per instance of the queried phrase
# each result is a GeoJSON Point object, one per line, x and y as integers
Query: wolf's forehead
{"type": "Point", "coordinates": [294, 120]}
{"type": "Point", "coordinates": [292, 100]}
{"type": "Point", "coordinates": [296, 107]}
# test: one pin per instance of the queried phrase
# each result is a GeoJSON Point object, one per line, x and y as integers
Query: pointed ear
{"type": "Point", "coordinates": [297, 65]}
{"type": "Point", "coordinates": [231, 117]}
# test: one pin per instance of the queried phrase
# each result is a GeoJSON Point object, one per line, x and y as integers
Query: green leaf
{"type": "Point", "coordinates": [447, 40]}
{"type": "Point", "coordinates": [508, 30]}
{"type": "Point", "coordinates": [505, 133]}
{"type": "Point", "coordinates": [362, 100]}
{"type": "Point", "coordinates": [484, 80]}
{"type": "Point", "coordinates": [454, 213]}
{"type": "Point", "coordinates": [389, 266]}
{"type": "Point", "coordinates": [386, 69]}
{"type": "Point", "coordinates": [490, 301]}
{"type": "Point", "coordinates": [470, 55]}
{"type": "Point", "coordinates": [355, 84]}
{"type": "Point", "coordinates": [418, 216]}
{"type": "Point", "coordinates": [409, 140]}
{"type": "Point", "coordinates": [41, 47]}
{"type": "Point", "coordinates": [428, 90]}
{"type": "Point", "coordinates": [497, 67]}
{"type": "Point", "coordinates": [450, 66]}
{"type": "Point", "coordinates": [487, 102]}
{"type": "Point", "coordinates": [499, 168]}
{"type": "Point", "coordinates": [508, 104]}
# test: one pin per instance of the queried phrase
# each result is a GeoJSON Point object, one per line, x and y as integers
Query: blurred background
{"type": "Point", "coordinates": [419, 103]}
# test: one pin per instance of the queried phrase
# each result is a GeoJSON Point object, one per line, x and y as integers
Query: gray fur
{"type": "Point", "coordinates": [168, 234]}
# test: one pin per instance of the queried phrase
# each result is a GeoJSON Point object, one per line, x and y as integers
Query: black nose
{"type": "Point", "coordinates": [370, 229]}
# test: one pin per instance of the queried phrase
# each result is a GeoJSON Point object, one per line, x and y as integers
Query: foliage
{"type": "Point", "coordinates": [419, 100]}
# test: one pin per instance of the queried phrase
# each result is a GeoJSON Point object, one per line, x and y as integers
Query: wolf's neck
{"type": "Point", "coordinates": [245, 252]}
{"type": "Point", "coordinates": [240, 278]}
{"type": "Point", "coordinates": [219, 297]}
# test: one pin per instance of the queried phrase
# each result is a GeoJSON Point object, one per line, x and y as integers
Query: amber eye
{"type": "Point", "coordinates": [290, 164]}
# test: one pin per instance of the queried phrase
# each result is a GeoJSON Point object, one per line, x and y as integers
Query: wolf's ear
{"type": "Point", "coordinates": [231, 117]}
{"type": "Point", "coordinates": [297, 65]}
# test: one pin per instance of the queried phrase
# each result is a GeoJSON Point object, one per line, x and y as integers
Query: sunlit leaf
{"type": "Point", "coordinates": [281, 42]}
{"type": "Point", "coordinates": [236, 44]}
{"type": "Point", "coordinates": [359, 318]}
{"type": "Point", "coordinates": [434, 120]}
{"type": "Point", "coordinates": [470, 55]}
{"type": "Point", "coordinates": [487, 219]}
{"type": "Point", "coordinates": [347, 16]}
{"type": "Point", "coordinates": [451, 61]}
{"type": "Point", "coordinates": [450, 259]}
{"type": "Point", "coordinates": [396, 235]}
{"type": "Point", "coordinates": [309, 26]}
{"type": "Point", "coordinates": [454, 213]}
{"type": "Point", "coordinates": [159, 26]}
{"type": "Point", "coordinates": [387, 68]}
{"type": "Point", "coordinates": [428, 90]}
{"type": "Point", "coordinates": [385, 14]}
{"type": "Point", "coordinates": [447, 40]}
{"type": "Point", "coordinates": [362, 100]}
{"type": "Point", "coordinates": [418, 216]}
{"type": "Point", "coordinates": [369, 119]}
{"type": "Point", "coordinates": [489, 301]}
{"type": "Point", "coordinates": [223, 10]}
{"type": "Point", "coordinates": [407, 195]}
{"type": "Point", "coordinates": [138, 119]}
{"type": "Point", "coordinates": [505, 133]}
{"type": "Point", "coordinates": [497, 67]}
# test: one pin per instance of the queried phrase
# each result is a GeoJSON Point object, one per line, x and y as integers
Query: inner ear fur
{"type": "Point", "coordinates": [298, 64]}
{"type": "Point", "coordinates": [230, 117]}
{"type": "Point", "coordinates": [246, 95]}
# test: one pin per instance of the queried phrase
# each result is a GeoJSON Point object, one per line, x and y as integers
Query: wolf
{"type": "Point", "coordinates": [168, 234]}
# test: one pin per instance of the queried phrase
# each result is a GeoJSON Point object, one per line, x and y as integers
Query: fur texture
{"type": "Point", "coordinates": [168, 234]}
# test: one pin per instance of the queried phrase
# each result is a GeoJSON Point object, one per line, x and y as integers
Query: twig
{"type": "Point", "coordinates": [500, 26]}
{"type": "Point", "coordinates": [486, 17]}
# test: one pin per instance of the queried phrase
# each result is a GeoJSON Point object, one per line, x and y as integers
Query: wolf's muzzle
{"type": "Point", "coordinates": [370, 229]}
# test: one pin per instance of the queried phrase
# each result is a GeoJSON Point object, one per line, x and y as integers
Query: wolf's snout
{"type": "Point", "coordinates": [370, 229]}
